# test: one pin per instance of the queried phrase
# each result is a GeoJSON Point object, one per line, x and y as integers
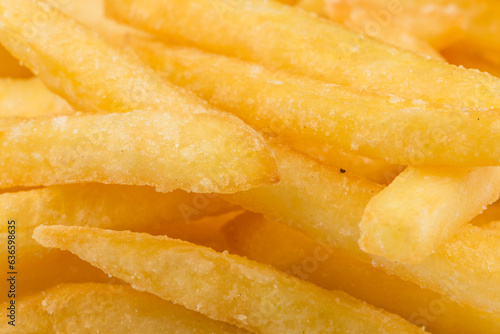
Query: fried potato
{"type": "Point", "coordinates": [106, 206]}
{"type": "Point", "coordinates": [491, 213]}
{"type": "Point", "coordinates": [121, 83]}
{"type": "Point", "coordinates": [222, 286]}
{"type": "Point", "coordinates": [438, 22]}
{"type": "Point", "coordinates": [10, 67]}
{"type": "Point", "coordinates": [30, 98]}
{"type": "Point", "coordinates": [423, 207]}
{"type": "Point", "coordinates": [328, 206]}
{"type": "Point", "coordinates": [39, 268]}
{"type": "Point", "coordinates": [359, 22]}
{"type": "Point", "coordinates": [106, 308]}
{"type": "Point", "coordinates": [391, 129]}
{"type": "Point", "coordinates": [200, 153]}
{"type": "Point", "coordinates": [293, 252]}
{"type": "Point", "coordinates": [482, 33]}
{"type": "Point", "coordinates": [308, 46]}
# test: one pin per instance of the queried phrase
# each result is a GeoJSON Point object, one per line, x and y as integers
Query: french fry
{"type": "Point", "coordinates": [328, 206]}
{"type": "Point", "coordinates": [293, 252]}
{"type": "Point", "coordinates": [39, 268]}
{"type": "Point", "coordinates": [395, 130]}
{"type": "Point", "coordinates": [367, 25]}
{"type": "Point", "coordinates": [211, 152]}
{"type": "Point", "coordinates": [122, 83]}
{"type": "Point", "coordinates": [106, 308]}
{"type": "Point", "coordinates": [29, 98]}
{"type": "Point", "coordinates": [439, 23]}
{"type": "Point", "coordinates": [10, 67]}
{"type": "Point", "coordinates": [308, 46]}
{"type": "Point", "coordinates": [482, 33]}
{"type": "Point", "coordinates": [423, 207]}
{"type": "Point", "coordinates": [116, 207]}
{"type": "Point", "coordinates": [224, 287]}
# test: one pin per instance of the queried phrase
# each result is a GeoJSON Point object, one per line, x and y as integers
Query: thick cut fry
{"type": "Point", "coordinates": [39, 268]}
{"type": "Point", "coordinates": [10, 67]}
{"type": "Point", "coordinates": [438, 22]}
{"type": "Point", "coordinates": [166, 150]}
{"type": "Point", "coordinates": [361, 23]}
{"type": "Point", "coordinates": [222, 286]}
{"type": "Point", "coordinates": [309, 46]}
{"type": "Point", "coordinates": [395, 130]}
{"type": "Point", "coordinates": [115, 207]}
{"type": "Point", "coordinates": [288, 250]}
{"type": "Point", "coordinates": [423, 207]}
{"type": "Point", "coordinates": [328, 206]}
{"type": "Point", "coordinates": [30, 98]}
{"type": "Point", "coordinates": [106, 308]}
{"type": "Point", "coordinates": [79, 66]}
{"type": "Point", "coordinates": [110, 82]}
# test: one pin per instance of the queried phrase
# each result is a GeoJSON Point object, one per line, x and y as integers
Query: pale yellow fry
{"type": "Point", "coordinates": [79, 66]}
{"type": "Point", "coordinates": [423, 207]}
{"type": "Point", "coordinates": [10, 67]}
{"type": "Point", "coordinates": [30, 98]}
{"type": "Point", "coordinates": [222, 286]}
{"type": "Point", "coordinates": [328, 206]}
{"type": "Point", "coordinates": [106, 206]}
{"type": "Point", "coordinates": [94, 76]}
{"type": "Point", "coordinates": [482, 33]}
{"type": "Point", "coordinates": [438, 22]}
{"type": "Point", "coordinates": [293, 252]}
{"type": "Point", "coordinates": [105, 308]}
{"type": "Point", "coordinates": [166, 150]}
{"type": "Point", "coordinates": [309, 46]}
{"type": "Point", "coordinates": [338, 11]}
{"type": "Point", "coordinates": [391, 129]}
{"type": "Point", "coordinates": [39, 268]}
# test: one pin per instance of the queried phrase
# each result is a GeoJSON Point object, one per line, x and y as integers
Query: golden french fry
{"type": "Point", "coordinates": [390, 129]}
{"type": "Point", "coordinates": [10, 67]}
{"type": "Point", "coordinates": [482, 33]}
{"type": "Point", "coordinates": [308, 46]}
{"type": "Point", "coordinates": [293, 252]}
{"type": "Point", "coordinates": [359, 22]}
{"type": "Point", "coordinates": [30, 98]}
{"type": "Point", "coordinates": [423, 207]}
{"type": "Point", "coordinates": [222, 286]}
{"type": "Point", "coordinates": [439, 23]}
{"type": "Point", "coordinates": [166, 150]}
{"type": "Point", "coordinates": [39, 268]}
{"type": "Point", "coordinates": [107, 79]}
{"type": "Point", "coordinates": [106, 206]}
{"type": "Point", "coordinates": [106, 308]}
{"type": "Point", "coordinates": [328, 206]}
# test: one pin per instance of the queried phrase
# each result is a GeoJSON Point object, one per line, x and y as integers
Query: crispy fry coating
{"type": "Point", "coordinates": [308, 46]}
{"type": "Point", "coordinates": [222, 286]}
{"type": "Point", "coordinates": [106, 308]}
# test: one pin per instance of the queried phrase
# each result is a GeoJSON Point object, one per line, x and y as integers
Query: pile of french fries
{"type": "Point", "coordinates": [250, 166]}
